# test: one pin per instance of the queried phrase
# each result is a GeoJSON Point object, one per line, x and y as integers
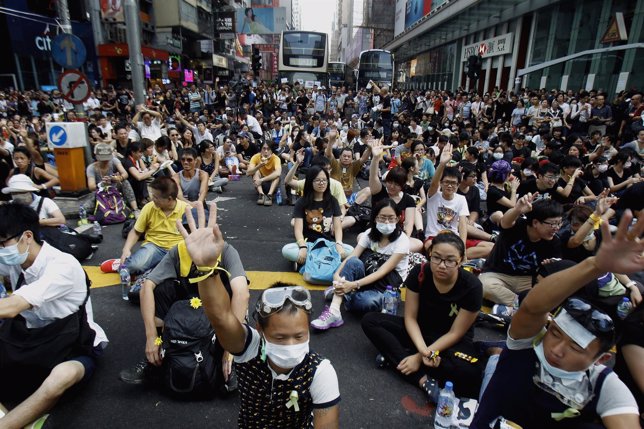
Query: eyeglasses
{"type": "Point", "coordinates": [449, 183]}
{"type": "Point", "coordinates": [388, 219]}
{"type": "Point", "coordinates": [449, 263]}
{"type": "Point", "coordinates": [320, 181]}
{"type": "Point", "coordinates": [551, 177]}
{"type": "Point", "coordinates": [272, 300]}
{"type": "Point", "coordinates": [3, 243]}
{"type": "Point", "coordinates": [555, 225]}
{"type": "Point", "coordinates": [591, 318]}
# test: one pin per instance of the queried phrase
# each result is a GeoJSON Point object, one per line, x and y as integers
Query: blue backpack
{"type": "Point", "coordinates": [322, 260]}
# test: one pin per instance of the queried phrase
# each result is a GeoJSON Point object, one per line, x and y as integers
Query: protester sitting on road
{"type": "Point", "coordinates": [266, 169]}
{"type": "Point", "coordinates": [137, 173]}
{"type": "Point", "coordinates": [528, 237]}
{"type": "Point", "coordinates": [630, 356]}
{"type": "Point", "coordinates": [148, 122]}
{"type": "Point", "coordinates": [426, 168]}
{"type": "Point", "coordinates": [571, 188]}
{"type": "Point", "coordinates": [316, 215]}
{"type": "Point", "coordinates": [544, 183]}
{"type": "Point", "coordinates": [208, 161]}
{"type": "Point", "coordinates": [40, 361]}
{"type": "Point", "coordinates": [379, 260]}
{"type": "Point", "coordinates": [245, 151]}
{"type": "Point", "coordinates": [446, 209]}
{"type": "Point", "coordinates": [291, 181]}
{"type": "Point", "coordinates": [502, 191]}
{"type": "Point", "coordinates": [108, 171]}
{"type": "Point", "coordinates": [168, 283]}
{"type": "Point", "coordinates": [441, 305]}
{"type": "Point", "coordinates": [622, 174]}
{"type": "Point", "coordinates": [23, 191]}
{"type": "Point", "coordinates": [560, 365]}
{"type": "Point", "coordinates": [192, 182]}
{"type": "Point", "coordinates": [345, 169]}
{"type": "Point", "coordinates": [415, 188]}
{"type": "Point", "coordinates": [303, 385]}
{"type": "Point", "coordinates": [157, 222]}
{"type": "Point", "coordinates": [24, 164]}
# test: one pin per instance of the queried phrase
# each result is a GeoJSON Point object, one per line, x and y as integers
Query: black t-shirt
{"type": "Point", "coordinates": [437, 311]}
{"type": "Point", "coordinates": [405, 202]}
{"type": "Point", "coordinates": [386, 104]}
{"type": "Point", "coordinates": [318, 218]}
{"type": "Point", "coordinates": [247, 153]}
{"type": "Point", "coordinates": [626, 174]}
{"type": "Point", "coordinates": [523, 152]}
{"type": "Point", "coordinates": [138, 187]}
{"type": "Point", "coordinates": [473, 197]}
{"type": "Point", "coordinates": [516, 255]}
{"type": "Point", "coordinates": [578, 253]}
{"type": "Point", "coordinates": [415, 189]}
{"type": "Point", "coordinates": [576, 192]}
{"type": "Point", "coordinates": [597, 184]}
{"type": "Point", "coordinates": [530, 185]}
{"type": "Point", "coordinates": [495, 194]}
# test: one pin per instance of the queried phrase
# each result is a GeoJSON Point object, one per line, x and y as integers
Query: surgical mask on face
{"type": "Point", "coordinates": [24, 198]}
{"type": "Point", "coordinates": [527, 172]}
{"type": "Point", "coordinates": [396, 124]}
{"type": "Point", "coordinates": [497, 155]}
{"type": "Point", "coordinates": [345, 129]}
{"type": "Point", "coordinates": [11, 256]}
{"type": "Point", "coordinates": [386, 228]}
{"type": "Point", "coordinates": [287, 356]}
{"type": "Point", "coordinates": [627, 164]}
{"type": "Point", "coordinates": [554, 371]}
{"type": "Point", "coordinates": [602, 168]}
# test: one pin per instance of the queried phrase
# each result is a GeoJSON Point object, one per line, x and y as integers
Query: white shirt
{"type": "Point", "coordinates": [253, 124]}
{"type": "Point", "coordinates": [401, 245]}
{"type": "Point", "coordinates": [201, 137]}
{"type": "Point", "coordinates": [444, 214]}
{"type": "Point", "coordinates": [49, 207]}
{"type": "Point", "coordinates": [152, 132]}
{"type": "Point", "coordinates": [55, 288]}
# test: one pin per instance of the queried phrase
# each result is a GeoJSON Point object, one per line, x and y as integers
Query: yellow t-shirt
{"type": "Point", "coordinates": [160, 229]}
{"type": "Point", "coordinates": [270, 167]}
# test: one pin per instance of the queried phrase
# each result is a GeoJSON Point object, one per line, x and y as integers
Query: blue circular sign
{"type": "Point", "coordinates": [57, 135]}
{"type": "Point", "coordinates": [68, 51]}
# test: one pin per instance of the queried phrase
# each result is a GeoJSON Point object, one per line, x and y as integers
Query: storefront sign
{"type": "Point", "coordinates": [219, 61]}
{"type": "Point", "coordinates": [499, 45]}
{"type": "Point", "coordinates": [225, 22]}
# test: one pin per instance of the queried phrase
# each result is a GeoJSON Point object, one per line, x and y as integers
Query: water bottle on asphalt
{"type": "Point", "coordinates": [278, 197]}
{"type": "Point", "coordinates": [624, 308]}
{"type": "Point", "coordinates": [125, 282]}
{"type": "Point", "coordinates": [82, 216]}
{"type": "Point", "coordinates": [97, 229]}
{"type": "Point", "coordinates": [445, 407]}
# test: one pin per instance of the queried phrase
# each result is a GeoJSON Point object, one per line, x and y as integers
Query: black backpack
{"type": "Point", "coordinates": [190, 368]}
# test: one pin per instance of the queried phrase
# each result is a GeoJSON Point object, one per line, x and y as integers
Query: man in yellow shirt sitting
{"type": "Point", "coordinates": [265, 168]}
{"type": "Point", "coordinates": [158, 222]}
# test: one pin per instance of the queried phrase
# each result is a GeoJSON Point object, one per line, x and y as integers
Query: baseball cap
{"type": "Point", "coordinates": [20, 183]}
{"type": "Point", "coordinates": [103, 152]}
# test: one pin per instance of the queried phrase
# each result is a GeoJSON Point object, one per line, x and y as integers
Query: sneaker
{"type": "Point", "coordinates": [268, 201]}
{"type": "Point", "coordinates": [260, 199]}
{"type": "Point", "coordinates": [233, 170]}
{"type": "Point", "coordinates": [327, 320]}
{"type": "Point", "coordinates": [218, 189]}
{"type": "Point", "coordinates": [328, 293]}
{"type": "Point", "coordinates": [503, 310]}
{"type": "Point", "coordinates": [135, 375]}
{"type": "Point", "coordinates": [296, 266]}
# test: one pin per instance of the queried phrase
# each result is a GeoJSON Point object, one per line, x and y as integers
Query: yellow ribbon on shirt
{"type": "Point", "coordinates": [292, 401]}
{"type": "Point", "coordinates": [568, 413]}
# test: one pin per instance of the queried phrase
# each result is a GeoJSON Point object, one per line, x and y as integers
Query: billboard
{"type": "Point", "coordinates": [225, 22]}
{"type": "Point", "coordinates": [399, 17]}
{"type": "Point", "coordinates": [416, 9]}
{"type": "Point", "coordinates": [112, 10]}
{"type": "Point", "coordinates": [261, 20]}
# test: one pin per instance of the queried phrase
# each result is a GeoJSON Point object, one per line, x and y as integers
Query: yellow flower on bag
{"type": "Point", "coordinates": [195, 303]}
{"type": "Point", "coordinates": [158, 341]}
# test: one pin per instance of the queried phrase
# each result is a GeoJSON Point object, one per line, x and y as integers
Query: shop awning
{"type": "Point", "coordinates": [122, 50]}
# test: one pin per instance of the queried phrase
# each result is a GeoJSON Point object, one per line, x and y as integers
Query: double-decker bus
{"type": "Point", "coordinates": [340, 74]}
{"type": "Point", "coordinates": [376, 65]}
{"type": "Point", "coordinates": [304, 57]}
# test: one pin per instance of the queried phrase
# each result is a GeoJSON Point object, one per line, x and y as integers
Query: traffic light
{"type": "Point", "coordinates": [256, 60]}
{"type": "Point", "coordinates": [474, 63]}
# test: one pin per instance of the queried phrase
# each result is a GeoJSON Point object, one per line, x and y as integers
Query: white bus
{"type": "Point", "coordinates": [340, 74]}
{"type": "Point", "coordinates": [304, 57]}
{"type": "Point", "coordinates": [376, 65]}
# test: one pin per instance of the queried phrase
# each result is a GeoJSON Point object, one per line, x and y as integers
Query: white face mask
{"type": "Point", "coordinates": [386, 228]}
{"type": "Point", "coordinates": [287, 356]}
{"type": "Point", "coordinates": [627, 164]}
{"type": "Point", "coordinates": [602, 168]}
{"type": "Point", "coordinates": [527, 172]}
{"type": "Point", "coordinates": [554, 371]}
{"type": "Point", "coordinates": [497, 155]}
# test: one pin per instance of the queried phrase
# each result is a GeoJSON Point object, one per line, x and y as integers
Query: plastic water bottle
{"type": "Point", "coordinates": [445, 407]}
{"type": "Point", "coordinates": [125, 282]}
{"type": "Point", "coordinates": [278, 197]}
{"type": "Point", "coordinates": [390, 301]}
{"type": "Point", "coordinates": [624, 308]}
{"type": "Point", "coordinates": [82, 216]}
{"type": "Point", "coordinates": [97, 229]}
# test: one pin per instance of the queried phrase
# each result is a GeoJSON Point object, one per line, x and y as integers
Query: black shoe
{"type": "Point", "coordinates": [136, 374]}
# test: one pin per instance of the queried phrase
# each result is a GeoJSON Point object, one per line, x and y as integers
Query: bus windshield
{"type": "Point", "coordinates": [304, 49]}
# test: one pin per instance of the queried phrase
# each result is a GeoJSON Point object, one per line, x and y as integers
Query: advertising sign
{"type": "Point", "coordinates": [225, 22]}
{"type": "Point", "coordinates": [399, 17]}
{"type": "Point", "coordinates": [499, 45]}
{"type": "Point", "coordinates": [261, 20]}
{"type": "Point", "coordinates": [112, 10]}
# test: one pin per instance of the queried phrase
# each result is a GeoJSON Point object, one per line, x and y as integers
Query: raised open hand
{"type": "Point", "coordinates": [446, 155]}
{"type": "Point", "coordinates": [204, 243]}
{"type": "Point", "coordinates": [524, 204]}
{"type": "Point", "coordinates": [622, 254]}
